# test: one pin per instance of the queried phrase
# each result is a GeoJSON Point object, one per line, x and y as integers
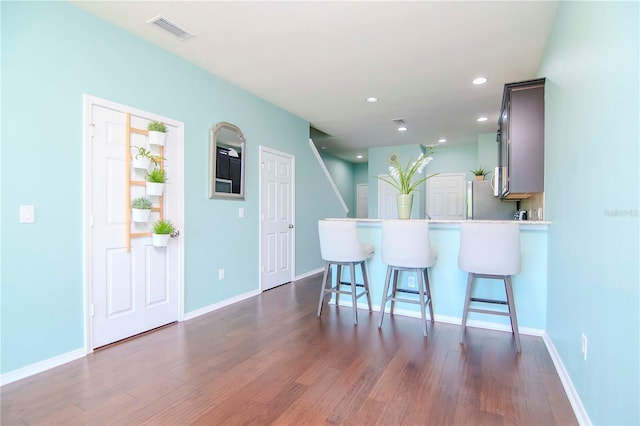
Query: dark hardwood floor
{"type": "Point", "coordinates": [270, 360]}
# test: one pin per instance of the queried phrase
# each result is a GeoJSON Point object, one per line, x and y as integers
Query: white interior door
{"type": "Point", "coordinates": [131, 291]}
{"type": "Point", "coordinates": [446, 196]}
{"type": "Point", "coordinates": [277, 221]}
{"type": "Point", "coordinates": [387, 205]}
{"type": "Point", "coordinates": [362, 200]}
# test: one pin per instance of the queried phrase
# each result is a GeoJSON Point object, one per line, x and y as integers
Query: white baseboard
{"type": "Point", "coordinates": [39, 367]}
{"type": "Point", "coordinates": [308, 274]}
{"type": "Point", "coordinates": [216, 306]}
{"type": "Point", "coordinates": [487, 325]}
{"type": "Point", "coordinates": [449, 320]}
{"type": "Point", "coordinates": [569, 389]}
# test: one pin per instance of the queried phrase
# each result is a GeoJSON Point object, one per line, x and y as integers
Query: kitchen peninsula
{"type": "Point", "coordinates": [448, 282]}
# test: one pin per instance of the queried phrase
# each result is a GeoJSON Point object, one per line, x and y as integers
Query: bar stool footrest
{"type": "Point", "coordinates": [399, 299]}
{"type": "Point", "coordinates": [494, 301]}
{"type": "Point", "coordinates": [487, 311]}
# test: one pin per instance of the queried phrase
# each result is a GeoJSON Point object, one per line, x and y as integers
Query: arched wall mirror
{"type": "Point", "coordinates": [226, 162]}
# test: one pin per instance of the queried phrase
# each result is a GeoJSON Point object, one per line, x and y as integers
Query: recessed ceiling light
{"type": "Point", "coordinates": [402, 129]}
{"type": "Point", "coordinates": [480, 80]}
{"type": "Point", "coordinates": [443, 140]}
{"type": "Point", "coordinates": [372, 99]}
{"type": "Point", "coordinates": [482, 119]}
{"type": "Point", "coordinates": [359, 156]}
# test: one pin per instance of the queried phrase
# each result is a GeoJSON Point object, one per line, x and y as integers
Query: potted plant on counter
{"type": "Point", "coordinates": [401, 178]}
{"type": "Point", "coordinates": [140, 209]}
{"type": "Point", "coordinates": [480, 173]}
{"type": "Point", "coordinates": [162, 231]}
{"type": "Point", "coordinates": [155, 181]}
{"type": "Point", "coordinates": [157, 133]}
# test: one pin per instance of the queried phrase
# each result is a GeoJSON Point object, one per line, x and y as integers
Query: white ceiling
{"type": "Point", "coordinates": [320, 60]}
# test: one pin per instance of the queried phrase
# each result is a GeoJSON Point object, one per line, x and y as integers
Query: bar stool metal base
{"type": "Point", "coordinates": [509, 303]}
{"type": "Point", "coordinates": [327, 279]}
{"type": "Point", "coordinates": [424, 291]}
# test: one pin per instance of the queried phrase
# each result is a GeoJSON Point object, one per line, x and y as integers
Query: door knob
{"type": "Point", "coordinates": [290, 226]}
{"type": "Point", "coordinates": [175, 233]}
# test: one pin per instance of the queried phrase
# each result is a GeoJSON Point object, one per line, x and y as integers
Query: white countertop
{"type": "Point", "coordinates": [445, 222]}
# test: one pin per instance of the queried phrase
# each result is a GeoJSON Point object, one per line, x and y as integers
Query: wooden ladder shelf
{"type": "Point", "coordinates": [160, 208]}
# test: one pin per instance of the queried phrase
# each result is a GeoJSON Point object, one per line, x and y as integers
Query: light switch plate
{"type": "Point", "coordinates": [241, 212]}
{"type": "Point", "coordinates": [27, 214]}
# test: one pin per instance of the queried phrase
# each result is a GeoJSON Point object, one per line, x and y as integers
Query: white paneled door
{"type": "Point", "coordinates": [387, 205]}
{"type": "Point", "coordinates": [277, 222]}
{"type": "Point", "coordinates": [446, 196]}
{"type": "Point", "coordinates": [362, 201]}
{"type": "Point", "coordinates": [130, 291]}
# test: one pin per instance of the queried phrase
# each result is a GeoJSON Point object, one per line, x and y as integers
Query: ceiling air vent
{"type": "Point", "coordinates": [169, 26]}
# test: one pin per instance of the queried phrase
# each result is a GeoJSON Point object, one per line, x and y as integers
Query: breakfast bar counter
{"type": "Point", "coordinates": [448, 282]}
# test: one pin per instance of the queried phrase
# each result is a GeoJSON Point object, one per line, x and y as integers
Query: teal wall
{"type": "Point", "coordinates": [361, 173]}
{"type": "Point", "coordinates": [342, 172]}
{"type": "Point", "coordinates": [53, 53]}
{"type": "Point", "coordinates": [487, 153]}
{"type": "Point", "coordinates": [455, 159]}
{"type": "Point", "coordinates": [591, 66]}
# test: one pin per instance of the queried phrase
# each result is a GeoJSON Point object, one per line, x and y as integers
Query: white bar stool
{"type": "Point", "coordinates": [340, 246]}
{"type": "Point", "coordinates": [490, 250]}
{"type": "Point", "coordinates": [406, 247]}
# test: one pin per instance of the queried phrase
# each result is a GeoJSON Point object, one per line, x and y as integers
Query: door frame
{"type": "Point", "coordinates": [262, 150]}
{"type": "Point", "coordinates": [89, 102]}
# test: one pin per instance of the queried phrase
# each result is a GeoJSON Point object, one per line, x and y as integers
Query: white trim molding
{"type": "Point", "coordinates": [308, 274]}
{"type": "Point", "coordinates": [210, 308]}
{"type": "Point", "coordinates": [567, 384]}
{"type": "Point", "coordinates": [328, 175]}
{"type": "Point", "coordinates": [447, 319]}
{"type": "Point", "coordinates": [39, 367]}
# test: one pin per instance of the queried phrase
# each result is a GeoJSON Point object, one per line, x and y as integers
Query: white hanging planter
{"type": "Point", "coordinates": [140, 215]}
{"type": "Point", "coordinates": [141, 163]}
{"type": "Point", "coordinates": [157, 138]}
{"type": "Point", "coordinates": [161, 240]}
{"type": "Point", "coordinates": [155, 188]}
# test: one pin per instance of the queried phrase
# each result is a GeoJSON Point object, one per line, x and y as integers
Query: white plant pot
{"type": "Point", "coordinates": [140, 215]}
{"type": "Point", "coordinates": [155, 188]}
{"type": "Point", "coordinates": [161, 240]}
{"type": "Point", "coordinates": [141, 163]}
{"type": "Point", "coordinates": [157, 138]}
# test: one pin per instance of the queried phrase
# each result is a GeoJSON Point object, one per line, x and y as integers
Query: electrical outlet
{"type": "Point", "coordinates": [584, 346]}
{"type": "Point", "coordinates": [411, 282]}
{"type": "Point", "coordinates": [221, 274]}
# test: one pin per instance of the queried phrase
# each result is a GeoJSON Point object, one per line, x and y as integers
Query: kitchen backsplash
{"type": "Point", "coordinates": [534, 205]}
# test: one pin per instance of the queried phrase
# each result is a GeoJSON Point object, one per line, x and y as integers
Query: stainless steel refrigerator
{"type": "Point", "coordinates": [483, 205]}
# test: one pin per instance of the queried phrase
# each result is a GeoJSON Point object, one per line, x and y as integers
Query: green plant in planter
{"type": "Point", "coordinates": [480, 172]}
{"type": "Point", "coordinates": [163, 227]}
{"type": "Point", "coordinates": [145, 153]}
{"type": "Point", "coordinates": [142, 203]}
{"type": "Point", "coordinates": [157, 175]}
{"type": "Point", "coordinates": [157, 126]}
{"type": "Point", "coordinates": [142, 152]}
